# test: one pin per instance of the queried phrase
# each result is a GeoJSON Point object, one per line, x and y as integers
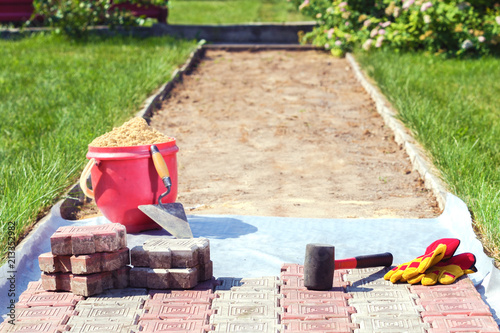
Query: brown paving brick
{"type": "Point", "coordinates": [186, 253]}
{"type": "Point", "coordinates": [88, 239]}
{"type": "Point", "coordinates": [139, 277]}
{"type": "Point", "coordinates": [158, 278]}
{"type": "Point", "coordinates": [51, 263]}
{"type": "Point", "coordinates": [456, 324]}
{"type": "Point", "coordinates": [56, 314]}
{"type": "Point", "coordinates": [148, 326]}
{"type": "Point", "coordinates": [86, 285]}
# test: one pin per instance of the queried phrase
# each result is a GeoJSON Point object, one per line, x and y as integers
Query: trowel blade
{"type": "Point", "coordinates": [171, 217]}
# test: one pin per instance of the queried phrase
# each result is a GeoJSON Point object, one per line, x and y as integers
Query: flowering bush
{"type": "Point", "coordinates": [448, 27]}
{"type": "Point", "coordinates": [75, 17]}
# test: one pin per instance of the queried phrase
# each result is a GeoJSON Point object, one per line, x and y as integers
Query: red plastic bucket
{"type": "Point", "coordinates": [124, 178]}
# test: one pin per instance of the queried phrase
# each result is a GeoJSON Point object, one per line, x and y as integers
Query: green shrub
{"type": "Point", "coordinates": [75, 17]}
{"type": "Point", "coordinates": [448, 27]}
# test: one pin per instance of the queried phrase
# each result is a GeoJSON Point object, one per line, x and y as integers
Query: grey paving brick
{"type": "Point", "coordinates": [390, 325]}
{"type": "Point", "coordinates": [244, 295]}
{"type": "Point", "coordinates": [174, 326]}
{"type": "Point", "coordinates": [241, 311]}
{"type": "Point", "coordinates": [250, 326]}
{"type": "Point", "coordinates": [389, 295]}
{"type": "Point", "coordinates": [118, 297]}
{"type": "Point", "coordinates": [387, 308]}
{"type": "Point", "coordinates": [127, 315]}
{"type": "Point", "coordinates": [359, 273]}
{"type": "Point", "coordinates": [103, 327]}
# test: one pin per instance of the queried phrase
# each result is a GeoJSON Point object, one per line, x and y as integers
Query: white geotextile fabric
{"type": "Point", "coordinates": [251, 246]}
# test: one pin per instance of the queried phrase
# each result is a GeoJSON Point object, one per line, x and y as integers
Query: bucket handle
{"type": "Point", "coordinates": [83, 179]}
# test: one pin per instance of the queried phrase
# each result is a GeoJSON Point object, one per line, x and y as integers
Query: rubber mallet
{"type": "Point", "coordinates": [320, 264]}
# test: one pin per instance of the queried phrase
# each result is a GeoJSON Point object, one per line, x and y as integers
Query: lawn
{"type": "Point", "coordinates": [232, 11]}
{"type": "Point", "coordinates": [452, 107]}
{"type": "Point", "coordinates": [55, 97]}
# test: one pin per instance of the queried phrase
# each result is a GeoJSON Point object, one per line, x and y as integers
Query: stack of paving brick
{"type": "Point", "coordinates": [39, 310]}
{"type": "Point", "coordinates": [311, 310]}
{"type": "Point", "coordinates": [171, 263]}
{"type": "Point", "coordinates": [454, 308]}
{"type": "Point", "coordinates": [114, 310]}
{"type": "Point", "coordinates": [247, 305]}
{"type": "Point", "coordinates": [178, 311]}
{"type": "Point", "coordinates": [86, 260]}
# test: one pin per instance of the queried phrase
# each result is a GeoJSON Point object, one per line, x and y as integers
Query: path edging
{"type": "Point", "coordinates": [418, 157]}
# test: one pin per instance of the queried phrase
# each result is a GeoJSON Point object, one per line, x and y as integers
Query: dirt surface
{"type": "Point", "coordinates": [286, 133]}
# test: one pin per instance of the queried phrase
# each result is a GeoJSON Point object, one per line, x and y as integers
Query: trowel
{"type": "Point", "coordinates": [170, 216]}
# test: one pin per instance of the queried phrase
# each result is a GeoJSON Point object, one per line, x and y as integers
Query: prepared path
{"type": "Point", "coordinates": [286, 133]}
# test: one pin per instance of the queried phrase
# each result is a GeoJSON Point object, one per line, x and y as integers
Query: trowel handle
{"type": "Point", "coordinates": [161, 167]}
{"type": "Point", "coordinates": [372, 260]}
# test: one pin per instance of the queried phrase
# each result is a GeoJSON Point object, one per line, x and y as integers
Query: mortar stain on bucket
{"type": "Point", "coordinates": [124, 178]}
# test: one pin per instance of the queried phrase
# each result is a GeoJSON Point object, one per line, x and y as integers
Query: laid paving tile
{"type": "Point", "coordinates": [125, 314]}
{"type": "Point", "coordinates": [249, 325]}
{"type": "Point", "coordinates": [388, 308]}
{"type": "Point", "coordinates": [33, 326]}
{"type": "Point", "coordinates": [181, 296]}
{"type": "Point", "coordinates": [391, 294]}
{"type": "Point", "coordinates": [314, 296]}
{"type": "Point", "coordinates": [320, 311]}
{"type": "Point", "coordinates": [88, 239]}
{"type": "Point", "coordinates": [197, 312]}
{"type": "Point", "coordinates": [56, 314]}
{"type": "Point", "coordinates": [457, 306]}
{"type": "Point", "coordinates": [149, 326]}
{"type": "Point", "coordinates": [47, 298]}
{"type": "Point", "coordinates": [390, 325]}
{"type": "Point", "coordinates": [456, 324]}
{"type": "Point", "coordinates": [338, 325]}
{"type": "Point", "coordinates": [103, 327]}
{"type": "Point", "coordinates": [118, 297]}
{"type": "Point", "coordinates": [240, 311]}
{"type": "Point", "coordinates": [236, 295]}
{"type": "Point", "coordinates": [262, 283]}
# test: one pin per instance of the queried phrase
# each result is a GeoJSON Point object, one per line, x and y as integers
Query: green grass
{"type": "Point", "coordinates": [56, 96]}
{"type": "Point", "coordinates": [453, 108]}
{"type": "Point", "coordinates": [232, 11]}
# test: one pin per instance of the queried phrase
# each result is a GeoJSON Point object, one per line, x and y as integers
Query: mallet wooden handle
{"type": "Point", "coordinates": [161, 166]}
{"type": "Point", "coordinates": [371, 260]}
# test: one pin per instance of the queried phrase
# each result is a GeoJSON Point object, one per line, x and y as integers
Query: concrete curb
{"type": "Point", "coordinates": [261, 33]}
{"type": "Point", "coordinates": [419, 159]}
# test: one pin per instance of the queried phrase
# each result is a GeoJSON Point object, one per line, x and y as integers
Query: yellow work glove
{"type": "Point", "coordinates": [446, 272]}
{"type": "Point", "coordinates": [441, 249]}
